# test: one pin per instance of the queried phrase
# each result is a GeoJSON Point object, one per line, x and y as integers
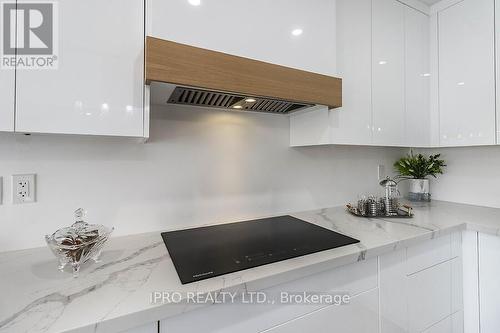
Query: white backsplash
{"type": "Point", "coordinates": [472, 176]}
{"type": "Point", "coordinates": [200, 166]}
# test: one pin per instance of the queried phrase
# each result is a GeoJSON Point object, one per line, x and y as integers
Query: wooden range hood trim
{"type": "Point", "coordinates": [185, 65]}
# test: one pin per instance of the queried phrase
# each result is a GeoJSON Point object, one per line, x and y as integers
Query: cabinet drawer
{"type": "Point", "coordinates": [241, 318]}
{"type": "Point", "coordinates": [150, 328]}
{"type": "Point", "coordinates": [434, 294]}
{"type": "Point", "coordinates": [432, 252]}
{"type": "Point", "coordinates": [452, 324]}
{"type": "Point", "coordinates": [360, 316]}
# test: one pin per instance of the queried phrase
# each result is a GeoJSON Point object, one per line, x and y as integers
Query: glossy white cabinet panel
{"type": "Point", "coordinates": [393, 292]}
{"type": "Point", "coordinates": [351, 124]}
{"type": "Point", "coordinates": [497, 46]}
{"type": "Point", "coordinates": [243, 318]}
{"type": "Point", "coordinates": [452, 324]}
{"type": "Point", "coordinates": [359, 316]}
{"type": "Point", "coordinates": [257, 29]}
{"type": "Point", "coordinates": [98, 86]}
{"type": "Point", "coordinates": [489, 285]}
{"type": "Point", "coordinates": [388, 72]}
{"type": "Point", "coordinates": [310, 127]}
{"type": "Point", "coordinates": [434, 82]}
{"type": "Point", "coordinates": [7, 89]}
{"type": "Point", "coordinates": [434, 294]}
{"type": "Point", "coordinates": [432, 252]}
{"type": "Point", "coordinates": [470, 281]}
{"type": "Point", "coordinates": [467, 74]}
{"type": "Point", "coordinates": [150, 328]}
{"type": "Point", "coordinates": [417, 78]}
{"type": "Point", "coordinates": [414, 302]}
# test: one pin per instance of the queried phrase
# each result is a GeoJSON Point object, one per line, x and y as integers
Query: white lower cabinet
{"type": "Point", "coordinates": [481, 253]}
{"type": "Point", "coordinates": [415, 289]}
{"type": "Point", "coordinates": [434, 294]}
{"type": "Point", "coordinates": [470, 278]}
{"type": "Point", "coordinates": [419, 289]}
{"type": "Point", "coordinates": [451, 324]}
{"type": "Point", "coordinates": [150, 328]}
{"type": "Point", "coordinates": [359, 316]}
{"type": "Point", "coordinates": [497, 62]}
{"type": "Point", "coordinates": [489, 283]}
{"type": "Point", "coordinates": [356, 279]}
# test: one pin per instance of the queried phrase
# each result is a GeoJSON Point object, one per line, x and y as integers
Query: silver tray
{"type": "Point", "coordinates": [404, 212]}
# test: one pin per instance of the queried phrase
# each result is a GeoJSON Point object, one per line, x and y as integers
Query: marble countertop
{"type": "Point", "coordinates": [115, 294]}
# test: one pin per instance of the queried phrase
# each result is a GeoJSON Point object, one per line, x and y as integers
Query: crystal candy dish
{"type": "Point", "coordinates": [78, 243]}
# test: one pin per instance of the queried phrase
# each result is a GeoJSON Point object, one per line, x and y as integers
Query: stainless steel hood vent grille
{"type": "Point", "coordinates": [206, 98]}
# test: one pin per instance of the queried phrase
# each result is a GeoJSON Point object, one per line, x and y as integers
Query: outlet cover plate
{"type": "Point", "coordinates": [381, 172]}
{"type": "Point", "coordinates": [23, 189]}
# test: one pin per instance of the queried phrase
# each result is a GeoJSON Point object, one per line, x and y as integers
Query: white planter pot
{"type": "Point", "coordinates": [419, 190]}
{"type": "Point", "coordinates": [419, 186]}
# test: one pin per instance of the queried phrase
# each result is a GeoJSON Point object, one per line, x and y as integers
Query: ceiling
{"type": "Point", "coordinates": [430, 2]}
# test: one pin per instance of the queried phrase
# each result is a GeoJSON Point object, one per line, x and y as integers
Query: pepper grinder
{"type": "Point", "coordinates": [391, 197]}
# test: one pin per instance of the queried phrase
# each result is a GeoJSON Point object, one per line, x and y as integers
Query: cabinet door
{"type": "Point", "coordinates": [359, 316]}
{"type": "Point", "coordinates": [434, 294]}
{"type": "Point", "coordinates": [354, 279]}
{"type": "Point", "coordinates": [470, 270]}
{"type": "Point", "coordinates": [497, 45]}
{"type": "Point", "coordinates": [351, 124]}
{"type": "Point", "coordinates": [418, 290]}
{"type": "Point", "coordinates": [388, 73]}
{"type": "Point", "coordinates": [98, 85]}
{"type": "Point", "coordinates": [7, 89]}
{"type": "Point", "coordinates": [467, 74]}
{"type": "Point", "coordinates": [417, 78]}
{"type": "Point", "coordinates": [452, 324]}
{"type": "Point", "coordinates": [257, 29]}
{"type": "Point", "coordinates": [489, 287]}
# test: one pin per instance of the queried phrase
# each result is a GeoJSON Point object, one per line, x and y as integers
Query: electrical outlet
{"type": "Point", "coordinates": [23, 189]}
{"type": "Point", "coordinates": [381, 172]}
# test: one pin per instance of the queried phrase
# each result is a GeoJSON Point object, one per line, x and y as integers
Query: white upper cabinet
{"type": "Point", "coordinates": [7, 89]}
{"type": "Point", "coordinates": [98, 85]}
{"type": "Point", "coordinates": [467, 74]}
{"type": "Point", "coordinates": [351, 124]}
{"type": "Point", "coordinates": [388, 72]}
{"type": "Point", "coordinates": [384, 61]}
{"type": "Point", "coordinates": [293, 33]}
{"type": "Point", "coordinates": [7, 73]}
{"type": "Point", "coordinates": [417, 79]}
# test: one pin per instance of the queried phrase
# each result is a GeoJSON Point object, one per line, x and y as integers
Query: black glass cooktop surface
{"type": "Point", "coordinates": [205, 252]}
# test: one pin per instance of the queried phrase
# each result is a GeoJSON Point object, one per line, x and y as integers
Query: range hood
{"type": "Point", "coordinates": [188, 75]}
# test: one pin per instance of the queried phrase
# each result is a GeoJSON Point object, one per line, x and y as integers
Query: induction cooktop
{"type": "Point", "coordinates": [205, 252]}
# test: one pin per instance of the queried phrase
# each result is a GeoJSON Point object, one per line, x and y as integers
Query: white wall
{"type": "Point", "coordinates": [200, 167]}
{"type": "Point", "coordinates": [472, 176]}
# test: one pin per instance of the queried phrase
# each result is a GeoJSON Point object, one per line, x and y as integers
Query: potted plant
{"type": "Point", "coordinates": [416, 168]}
